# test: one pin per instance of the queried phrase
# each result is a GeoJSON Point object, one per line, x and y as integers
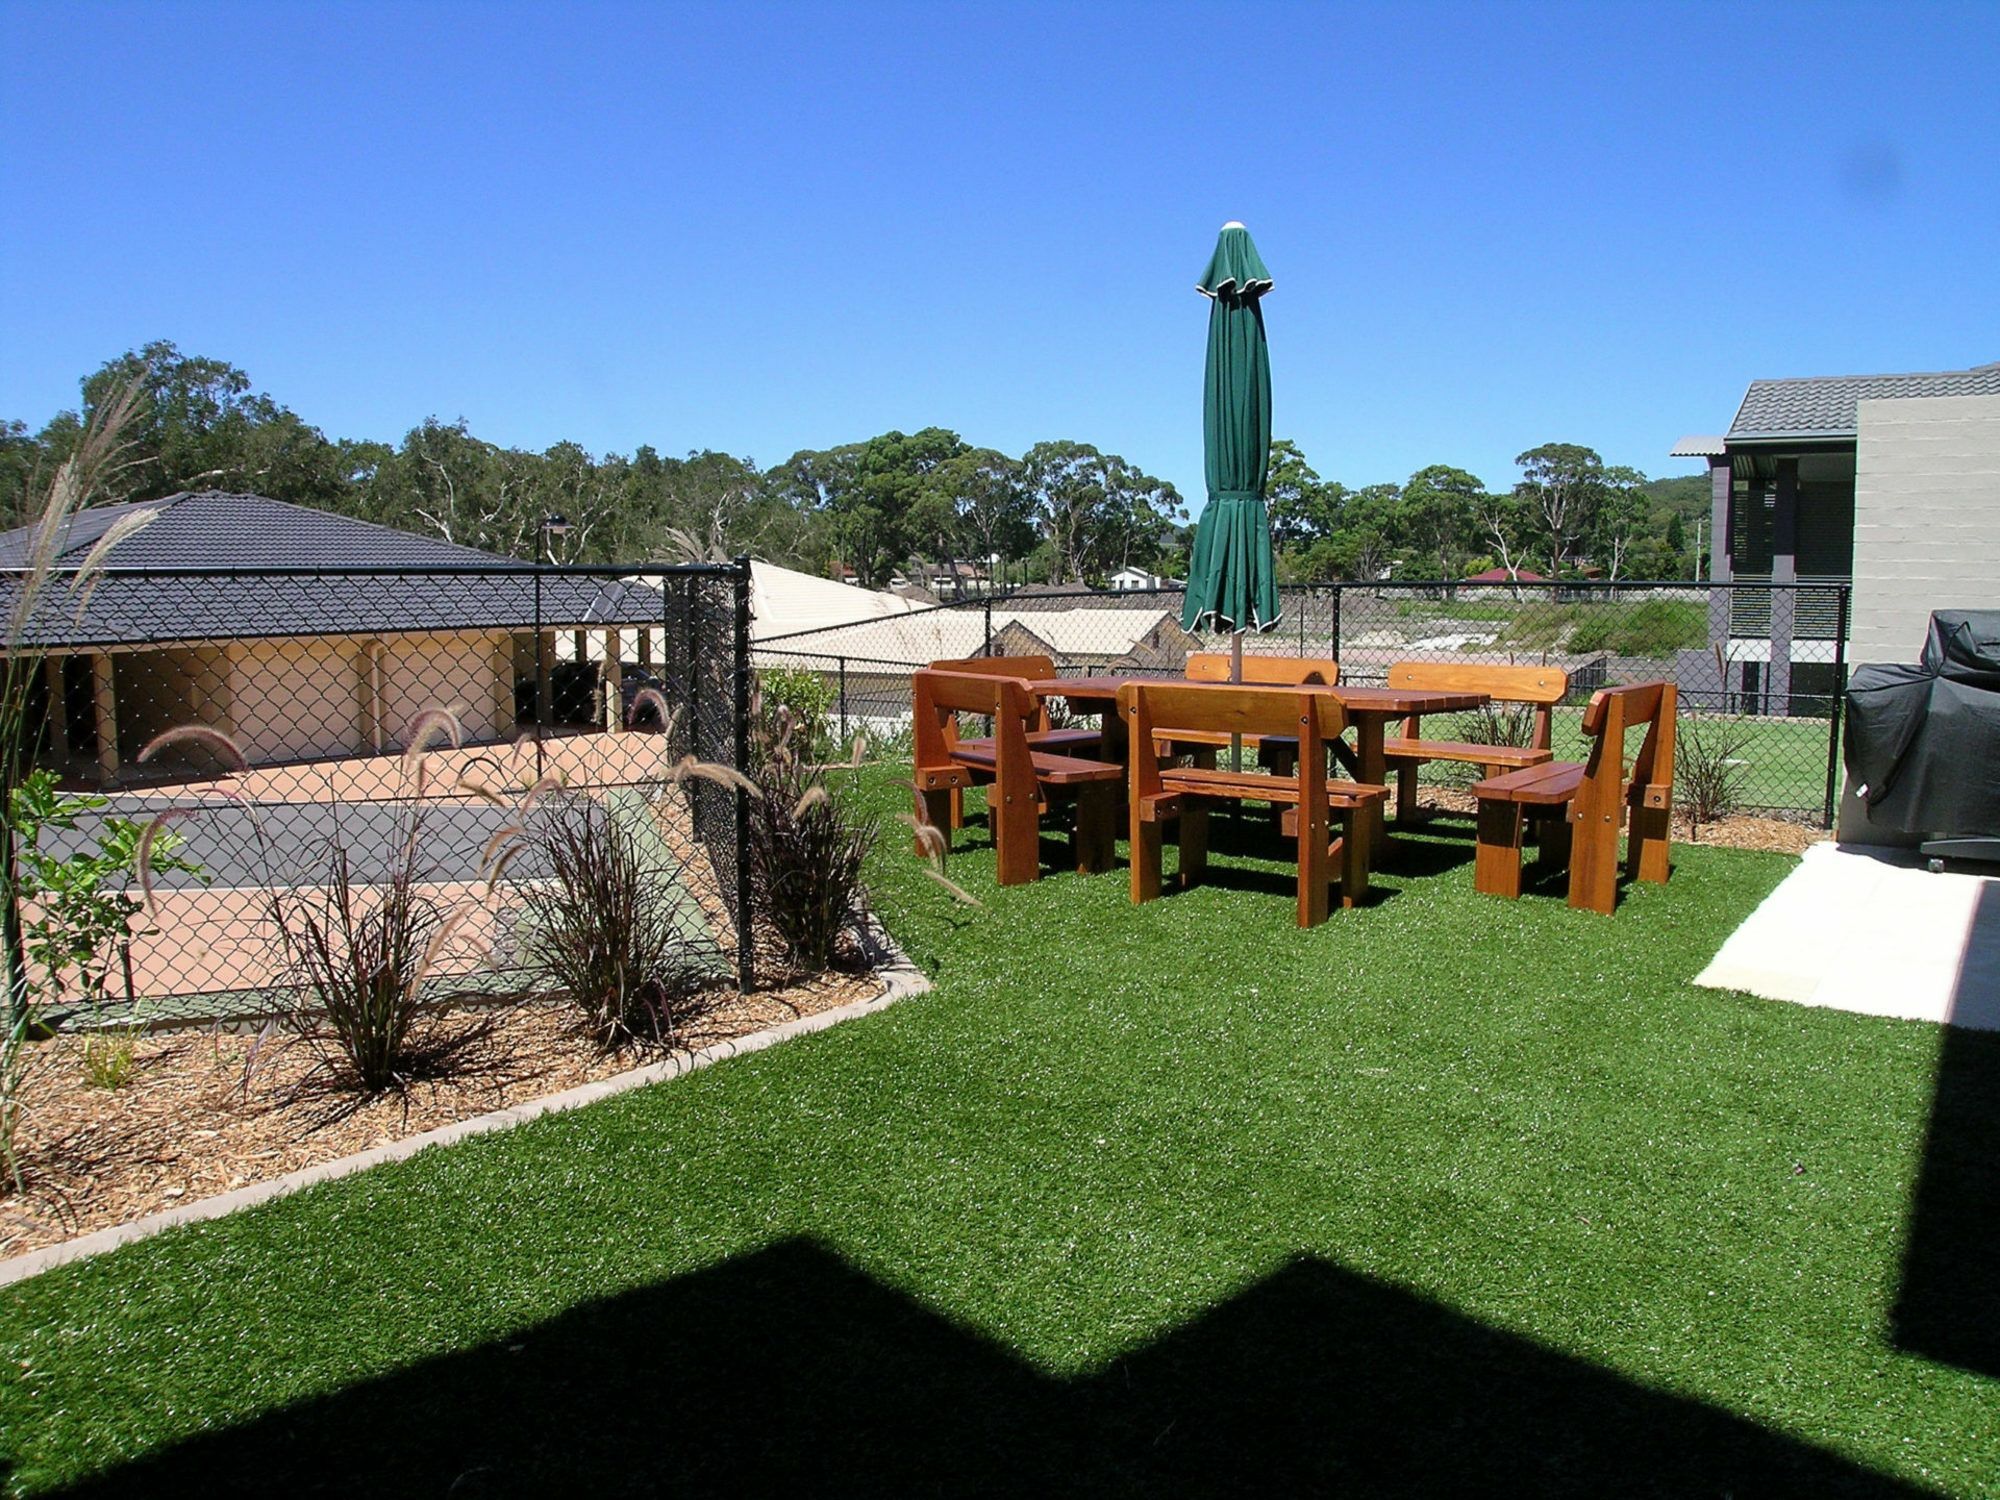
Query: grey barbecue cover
{"type": "Point", "coordinates": [1923, 742]}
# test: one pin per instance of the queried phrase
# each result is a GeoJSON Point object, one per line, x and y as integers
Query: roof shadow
{"type": "Point", "coordinates": [1948, 1306]}
{"type": "Point", "coordinates": [788, 1370]}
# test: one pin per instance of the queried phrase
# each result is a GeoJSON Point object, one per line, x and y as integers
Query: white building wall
{"type": "Point", "coordinates": [1926, 519]}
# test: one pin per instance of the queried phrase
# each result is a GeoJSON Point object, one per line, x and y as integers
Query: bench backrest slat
{"type": "Point", "coordinates": [1027, 668]}
{"type": "Point", "coordinates": [1024, 668]}
{"type": "Point", "coordinates": [1611, 714]}
{"type": "Point", "coordinates": [938, 698]}
{"type": "Point", "coordinates": [1543, 687]}
{"type": "Point", "coordinates": [1164, 708]}
{"type": "Point", "coordinates": [1283, 671]}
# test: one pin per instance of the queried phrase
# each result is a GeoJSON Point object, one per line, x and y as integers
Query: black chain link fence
{"type": "Point", "coordinates": [365, 704]}
{"type": "Point", "coordinates": [1767, 659]}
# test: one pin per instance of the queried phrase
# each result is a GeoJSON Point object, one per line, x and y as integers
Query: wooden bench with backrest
{"type": "Point", "coordinates": [1540, 687]}
{"type": "Point", "coordinates": [1083, 741]}
{"type": "Point", "coordinates": [1262, 671]}
{"type": "Point", "coordinates": [1022, 778]}
{"type": "Point", "coordinates": [1164, 793]}
{"type": "Point", "coordinates": [1579, 809]}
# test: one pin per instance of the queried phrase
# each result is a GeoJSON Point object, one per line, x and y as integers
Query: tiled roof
{"type": "Point", "coordinates": [1824, 405]}
{"type": "Point", "coordinates": [213, 530]}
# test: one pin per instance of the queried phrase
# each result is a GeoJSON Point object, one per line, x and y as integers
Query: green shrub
{"type": "Point", "coordinates": [1653, 627]}
{"type": "Point", "coordinates": [797, 705]}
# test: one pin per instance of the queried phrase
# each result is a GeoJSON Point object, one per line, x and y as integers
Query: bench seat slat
{"type": "Point", "coordinates": [1056, 770]}
{"type": "Point", "coordinates": [1415, 751]}
{"type": "Point", "coordinates": [1549, 784]}
{"type": "Point", "coordinates": [1055, 741]}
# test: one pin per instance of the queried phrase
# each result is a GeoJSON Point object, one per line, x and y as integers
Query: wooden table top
{"type": "Point", "coordinates": [1384, 701]}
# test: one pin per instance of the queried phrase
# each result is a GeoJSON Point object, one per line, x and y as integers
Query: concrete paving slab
{"type": "Point", "coordinates": [1872, 930]}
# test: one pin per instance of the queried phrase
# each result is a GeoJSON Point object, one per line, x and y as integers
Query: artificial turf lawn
{"type": "Point", "coordinates": [1447, 1193]}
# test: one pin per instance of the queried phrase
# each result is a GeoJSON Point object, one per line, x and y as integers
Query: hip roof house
{"type": "Point", "coordinates": [301, 633]}
{"type": "Point", "coordinates": [1888, 482]}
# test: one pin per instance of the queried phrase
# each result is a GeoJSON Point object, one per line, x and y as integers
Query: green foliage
{"type": "Point", "coordinates": [108, 1058]}
{"type": "Point", "coordinates": [796, 705]}
{"type": "Point", "coordinates": [1651, 627]}
{"type": "Point", "coordinates": [77, 908]}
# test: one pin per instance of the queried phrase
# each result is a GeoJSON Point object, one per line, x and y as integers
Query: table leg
{"type": "Point", "coordinates": [1371, 768]}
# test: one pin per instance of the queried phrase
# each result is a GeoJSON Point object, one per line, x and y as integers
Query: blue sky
{"type": "Point", "coordinates": [767, 228]}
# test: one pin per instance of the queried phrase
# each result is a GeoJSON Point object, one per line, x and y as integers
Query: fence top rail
{"type": "Point", "coordinates": [410, 570]}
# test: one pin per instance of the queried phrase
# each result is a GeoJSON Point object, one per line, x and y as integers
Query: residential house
{"type": "Point", "coordinates": [302, 634]}
{"type": "Point", "coordinates": [1890, 483]}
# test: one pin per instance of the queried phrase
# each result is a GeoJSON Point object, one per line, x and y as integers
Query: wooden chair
{"type": "Point", "coordinates": [1281, 751]}
{"type": "Point", "coordinates": [1083, 741]}
{"type": "Point", "coordinates": [1541, 687]}
{"type": "Point", "coordinates": [1162, 793]}
{"type": "Point", "coordinates": [1023, 779]}
{"type": "Point", "coordinates": [1578, 809]}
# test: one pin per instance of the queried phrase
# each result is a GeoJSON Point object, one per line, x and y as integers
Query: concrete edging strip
{"type": "Point", "coordinates": [900, 979]}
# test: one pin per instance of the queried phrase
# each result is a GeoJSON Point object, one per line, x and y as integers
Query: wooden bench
{"type": "Point", "coordinates": [1541, 687]}
{"type": "Point", "coordinates": [1083, 741]}
{"type": "Point", "coordinates": [1023, 779]}
{"type": "Point", "coordinates": [1262, 671]}
{"type": "Point", "coordinates": [1164, 793]}
{"type": "Point", "coordinates": [1578, 809]}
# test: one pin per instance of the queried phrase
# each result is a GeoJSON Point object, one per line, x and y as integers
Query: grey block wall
{"type": "Point", "coordinates": [1926, 519]}
{"type": "Point", "coordinates": [1926, 536]}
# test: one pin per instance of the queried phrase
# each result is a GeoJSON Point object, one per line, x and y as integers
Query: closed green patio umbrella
{"type": "Point", "coordinates": [1232, 582]}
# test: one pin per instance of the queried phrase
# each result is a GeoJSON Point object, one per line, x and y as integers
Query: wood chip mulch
{"type": "Point", "coordinates": [1774, 835]}
{"type": "Point", "coordinates": [187, 1126]}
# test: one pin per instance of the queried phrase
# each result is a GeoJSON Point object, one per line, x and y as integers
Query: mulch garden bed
{"type": "Point", "coordinates": [205, 1112]}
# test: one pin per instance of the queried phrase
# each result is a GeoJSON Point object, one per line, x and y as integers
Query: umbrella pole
{"type": "Point", "coordinates": [1236, 675]}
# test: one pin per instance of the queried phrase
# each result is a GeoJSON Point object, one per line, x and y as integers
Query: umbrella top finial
{"type": "Point", "coordinates": [1236, 269]}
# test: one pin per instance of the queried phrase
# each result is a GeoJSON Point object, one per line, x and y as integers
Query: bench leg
{"type": "Point", "coordinates": [1193, 843]}
{"type": "Point", "coordinates": [1407, 810]}
{"type": "Point", "coordinates": [934, 808]}
{"type": "Point", "coordinates": [1315, 865]}
{"type": "Point", "coordinates": [1496, 869]}
{"type": "Point", "coordinates": [957, 809]}
{"type": "Point", "coordinates": [1017, 833]}
{"type": "Point", "coordinates": [1353, 864]}
{"type": "Point", "coordinates": [1552, 842]}
{"type": "Point", "coordinates": [1145, 854]}
{"type": "Point", "coordinates": [1646, 844]}
{"type": "Point", "coordinates": [1593, 861]}
{"type": "Point", "coordinates": [1096, 836]}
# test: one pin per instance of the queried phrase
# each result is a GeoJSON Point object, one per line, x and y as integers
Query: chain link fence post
{"type": "Point", "coordinates": [746, 962]}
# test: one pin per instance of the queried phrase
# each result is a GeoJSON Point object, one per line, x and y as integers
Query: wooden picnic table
{"type": "Point", "coordinates": [1369, 710]}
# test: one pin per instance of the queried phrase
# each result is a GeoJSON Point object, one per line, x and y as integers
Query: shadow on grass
{"type": "Point", "coordinates": [790, 1371]}
{"type": "Point", "coordinates": [1948, 1307]}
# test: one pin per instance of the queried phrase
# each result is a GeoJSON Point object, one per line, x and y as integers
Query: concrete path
{"type": "Point", "coordinates": [1872, 930]}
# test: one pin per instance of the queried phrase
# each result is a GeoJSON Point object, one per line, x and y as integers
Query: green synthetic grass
{"type": "Point", "coordinates": [1447, 1194]}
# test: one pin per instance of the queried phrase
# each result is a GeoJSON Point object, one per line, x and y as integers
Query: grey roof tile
{"type": "Point", "coordinates": [1824, 405]}
{"type": "Point", "coordinates": [212, 530]}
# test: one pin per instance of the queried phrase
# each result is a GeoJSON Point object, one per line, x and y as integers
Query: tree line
{"type": "Point", "coordinates": [1062, 512]}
